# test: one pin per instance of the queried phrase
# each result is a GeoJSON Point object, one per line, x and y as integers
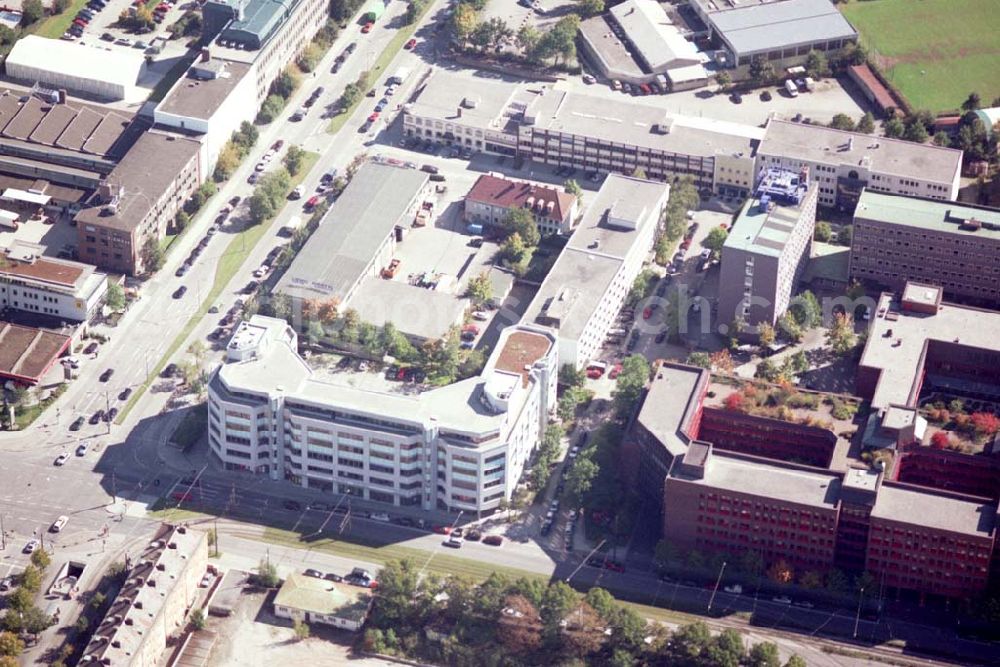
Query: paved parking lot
{"type": "Point", "coordinates": [516, 16]}
{"type": "Point", "coordinates": [832, 96]}
{"type": "Point", "coordinates": [56, 235]}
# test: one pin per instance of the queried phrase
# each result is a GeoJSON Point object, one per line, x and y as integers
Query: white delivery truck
{"type": "Point", "coordinates": [401, 75]}
{"type": "Point", "coordinates": [792, 89]}
{"type": "Point", "coordinates": [293, 223]}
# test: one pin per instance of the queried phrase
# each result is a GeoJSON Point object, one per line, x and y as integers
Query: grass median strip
{"type": "Point", "coordinates": [239, 248]}
{"type": "Point", "coordinates": [54, 26]}
{"type": "Point", "coordinates": [399, 39]}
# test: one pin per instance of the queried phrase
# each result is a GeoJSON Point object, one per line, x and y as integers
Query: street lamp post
{"type": "Point", "coordinates": [857, 617]}
{"type": "Point", "coordinates": [716, 589]}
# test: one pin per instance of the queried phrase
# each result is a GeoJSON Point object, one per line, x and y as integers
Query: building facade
{"type": "Point", "coordinates": [584, 291]}
{"type": "Point", "coordinates": [459, 447]}
{"type": "Point", "coordinates": [843, 164]}
{"type": "Point", "coordinates": [906, 239]}
{"type": "Point", "coordinates": [768, 248]}
{"type": "Point", "coordinates": [137, 201]}
{"type": "Point", "coordinates": [31, 282]}
{"type": "Point", "coordinates": [491, 199]}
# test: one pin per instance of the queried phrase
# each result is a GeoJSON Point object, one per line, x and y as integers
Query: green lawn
{"type": "Point", "coordinates": [934, 51]}
{"type": "Point", "coordinates": [235, 254]}
{"type": "Point", "coordinates": [54, 26]}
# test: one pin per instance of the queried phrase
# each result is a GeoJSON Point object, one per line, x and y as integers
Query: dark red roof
{"type": "Point", "coordinates": [27, 353]}
{"type": "Point", "coordinates": [545, 202]}
{"type": "Point", "coordinates": [866, 77]}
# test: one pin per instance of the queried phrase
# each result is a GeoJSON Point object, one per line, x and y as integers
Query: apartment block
{"type": "Point", "coordinates": [843, 164]}
{"type": "Point", "coordinates": [915, 540]}
{"type": "Point", "coordinates": [908, 239]}
{"type": "Point", "coordinates": [586, 287]}
{"type": "Point", "coordinates": [768, 248]}
{"type": "Point", "coordinates": [459, 447]}
{"type": "Point", "coordinates": [491, 199]}
{"type": "Point", "coordinates": [137, 201]}
{"type": "Point", "coordinates": [153, 603]}
{"type": "Point", "coordinates": [733, 504]}
{"type": "Point", "coordinates": [63, 289]}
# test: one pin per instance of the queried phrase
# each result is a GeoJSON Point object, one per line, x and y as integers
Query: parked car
{"type": "Point", "coordinates": [493, 540]}
{"type": "Point", "coordinates": [293, 505]}
{"type": "Point", "coordinates": [309, 572]}
{"type": "Point", "coordinates": [782, 599]}
{"type": "Point", "coordinates": [6, 584]}
{"type": "Point", "coordinates": [106, 375]}
{"type": "Point", "coordinates": [90, 349]}
{"type": "Point", "coordinates": [31, 546]}
{"type": "Point", "coordinates": [59, 524]}
{"type": "Point", "coordinates": [614, 566]}
{"type": "Point", "coordinates": [410, 44]}
{"type": "Point", "coordinates": [735, 589]}
{"type": "Point", "coordinates": [180, 291]}
{"type": "Point", "coordinates": [367, 28]}
{"type": "Point", "coordinates": [453, 543]}
{"type": "Point", "coordinates": [379, 516]}
{"type": "Point", "coordinates": [77, 424]}
{"type": "Point", "coordinates": [330, 576]}
{"type": "Point", "coordinates": [61, 459]}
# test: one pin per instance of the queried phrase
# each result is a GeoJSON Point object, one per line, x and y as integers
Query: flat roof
{"type": "Point", "coordinates": [929, 214]}
{"type": "Point", "coordinates": [609, 47]}
{"type": "Point", "coordinates": [49, 270]}
{"type": "Point", "coordinates": [27, 352]}
{"type": "Point", "coordinates": [900, 356]}
{"type": "Point", "coordinates": [415, 311]}
{"type": "Point", "coordinates": [672, 398]}
{"type": "Point", "coordinates": [77, 60]}
{"type": "Point", "coordinates": [485, 96]}
{"type": "Point", "coordinates": [653, 34]}
{"type": "Point", "coordinates": [817, 143]}
{"type": "Point", "coordinates": [195, 97]}
{"type": "Point", "coordinates": [828, 262]}
{"type": "Point", "coordinates": [942, 511]}
{"type": "Point", "coordinates": [628, 122]}
{"type": "Point", "coordinates": [521, 350]}
{"type": "Point", "coordinates": [336, 255]}
{"type": "Point", "coordinates": [458, 406]}
{"type": "Point", "coordinates": [145, 173]}
{"type": "Point", "coordinates": [769, 25]}
{"type": "Point", "coordinates": [578, 280]}
{"type": "Point", "coordinates": [764, 230]}
{"type": "Point", "coordinates": [759, 477]}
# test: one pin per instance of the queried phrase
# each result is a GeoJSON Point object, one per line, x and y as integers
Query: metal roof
{"type": "Point", "coordinates": [775, 25]}
{"type": "Point", "coordinates": [120, 67]}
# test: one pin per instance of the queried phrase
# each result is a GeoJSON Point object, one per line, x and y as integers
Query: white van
{"type": "Point", "coordinates": [792, 89]}
{"type": "Point", "coordinates": [59, 524]}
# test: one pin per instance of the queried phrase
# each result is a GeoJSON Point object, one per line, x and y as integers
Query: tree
{"type": "Point", "coordinates": [840, 336]}
{"type": "Point", "coordinates": [765, 334]}
{"type": "Point", "coordinates": [689, 645]}
{"type": "Point", "coordinates": [727, 650]}
{"type": "Point", "coordinates": [519, 625]}
{"type": "Point", "coordinates": [630, 383]}
{"type": "Point", "coordinates": [31, 578]}
{"type": "Point", "coordinates": [714, 240]}
{"type": "Point", "coordinates": [41, 559]}
{"type": "Point", "coordinates": [722, 362]}
{"type": "Point", "coordinates": [583, 632]}
{"type": "Point", "coordinates": [972, 102]}
{"type": "Point", "coordinates": [942, 138]}
{"type": "Point", "coordinates": [35, 621]}
{"type": "Point", "coordinates": [152, 255]}
{"type": "Point", "coordinates": [789, 327]}
{"type": "Point", "coordinates": [780, 572]}
{"type": "Point", "coordinates": [823, 232]}
{"type": "Point", "coordinates": [842, 121]}
{"type": "Point", "coordinates": [795, 661]}
{"type": "Point", "coordinates": [10, 644]}
{"type": "Point", "coordinates": [480, 289]}
{"type": "Point", "coordinates": [520, 221]}
{"type": "Point", "coordinates": [115, 297]}
{"type": "Point", "coordinates": [269, 110]}
{"type": "Point", "coordinates": [284, 84]}
{"type": "Point", "coordinates": [294, 160]}
{"type": "Point", "coordinates": [723, 78]}
{"type": "Point", "coordinates": [846, 234]}
{"type": "Point", "coordinates": [764, 654]}
{"type": "Point", "coordinates": [464, 21]}
{"type": "Point", "coordinates": [266, 575]}
{"type": "Point", "coordinates": [559, 41]}
{"type": "Point", "coordinates": [867, 123]}
{"type": "Point", "coordinates": [984, 423]}
{"type": "Point", "coordinates": [301, 630]}
{"type": "Point", "coordinates": [398, 584]}
{"type": "Point", "coordinates": [32, 11]}
{"type": "Point", "coordinates": [573, 188]}
{"type": "Point", "coordinates": [811, 579]}
{"type": "Point", "coordinates": [916, 132]}
{"type": "Point", "coordinates": [580, 478]}
{"type": "Point", "coordinates": [940, 440]}
{"type": "Point", "coordinates": [527, 39]}
{"type": "Point", "coordinates": [414, 10]}
{"type": "Point", "coordinates": [591, 7]}
{"type": "Point", "coordinates": [197, 619]}
{"type": "Point", "coordinates": [766, 370]}
{"type": "Point", "coordinates": [816, 64]}
{"type": "Point", "coordinates": [569, 376]}
{"type": "Point", "coordinates": [806, 310]}
{"type": "Point", "coordinates": [513, 251]}
{"type": "Point", "coordinates": [761, 70]}
{"type": "Point", "coordinates": [894, 128]}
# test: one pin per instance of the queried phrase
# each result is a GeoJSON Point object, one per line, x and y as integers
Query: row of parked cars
{"type": "Point", "coordinates": [356, 577]}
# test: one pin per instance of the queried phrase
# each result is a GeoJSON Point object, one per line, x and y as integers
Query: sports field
{"type": "Point", "coordinates": [934, 51]}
